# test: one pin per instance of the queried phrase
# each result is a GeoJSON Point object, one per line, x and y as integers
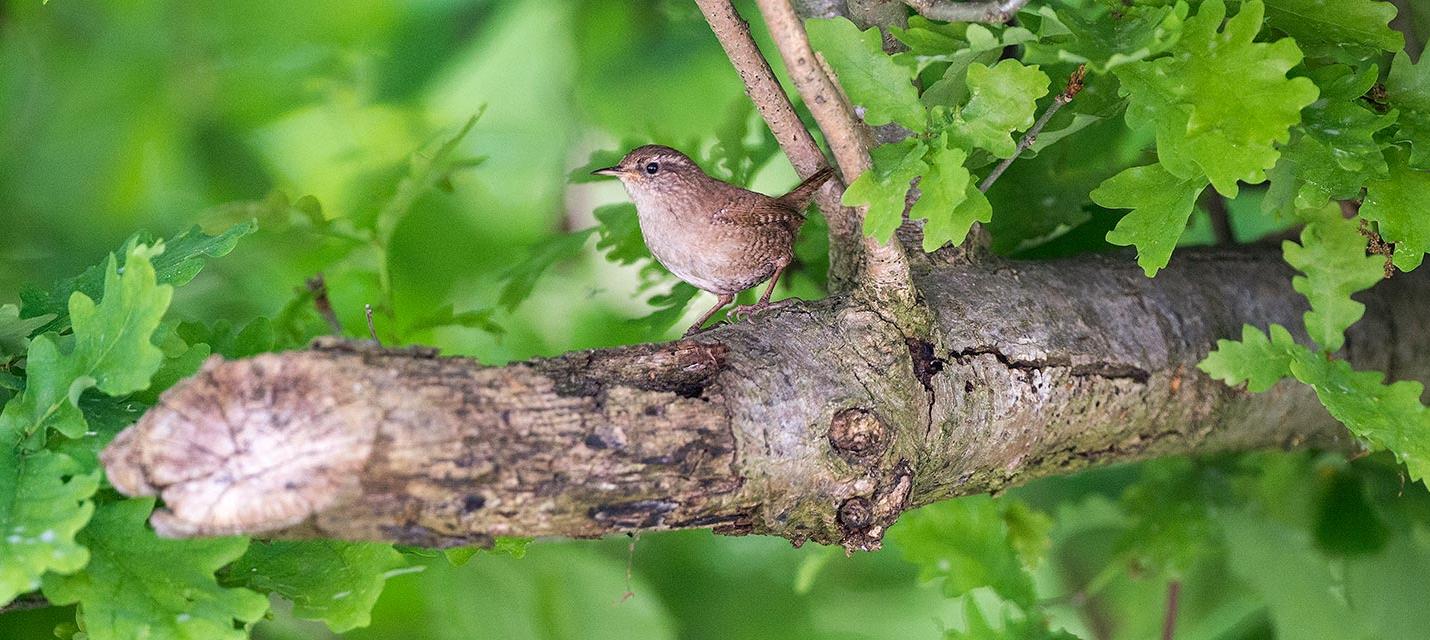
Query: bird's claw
{"type": "Point", "coordinates": [743, 312]}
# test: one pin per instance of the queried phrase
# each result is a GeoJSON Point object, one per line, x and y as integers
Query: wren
{"type": "Point", "coordinates": [712, 234]}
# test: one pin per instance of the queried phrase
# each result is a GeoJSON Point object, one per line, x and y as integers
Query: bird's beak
{"type": "Point", "coordinates": [608, 171]}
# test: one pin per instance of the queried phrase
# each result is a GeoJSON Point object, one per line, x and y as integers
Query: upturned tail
{"type": "Point", "coordinates": [799, 196]}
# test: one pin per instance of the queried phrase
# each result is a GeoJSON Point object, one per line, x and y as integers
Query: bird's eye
{"type": "Point", "coordinates": [652, 168]}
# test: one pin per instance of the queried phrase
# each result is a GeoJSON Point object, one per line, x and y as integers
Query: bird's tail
{"type": "Point", "coordinates": [800, 195]}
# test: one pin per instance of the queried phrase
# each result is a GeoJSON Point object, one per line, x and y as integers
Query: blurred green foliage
{"type": "Point", "coordinates": [117, 116]}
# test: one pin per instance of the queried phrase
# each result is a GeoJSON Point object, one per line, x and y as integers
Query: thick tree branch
{"type": "Point", "coordinates": [886, 268]}
{"type": "Point", "coordinates": [763, 88]}
{"type": "Point", "coordinates": [990, 11]}
{"type": "Point", "coordinates": [820, 421]}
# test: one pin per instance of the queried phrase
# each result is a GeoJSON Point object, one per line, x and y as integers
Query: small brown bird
{"type": "Point", "coordinates": [714, 235]}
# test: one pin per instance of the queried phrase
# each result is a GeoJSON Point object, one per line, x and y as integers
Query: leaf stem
{"type": "Point", "coordinates": [1075, 84]}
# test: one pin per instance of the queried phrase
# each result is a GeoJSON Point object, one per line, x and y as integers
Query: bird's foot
{"type": "Point", "coordinates": [750, 310]}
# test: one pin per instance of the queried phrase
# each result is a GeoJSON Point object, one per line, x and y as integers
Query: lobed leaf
{"type": "Point", "coordinates": [1104, 39]}
{"type": "Point", "coordinates": [967, 544]}
{"type": "Point", "coordinates": [1407, 88]}
{"type": "Point", "coordinates": [138, 585]}
{"type": "Point", "coordinates": [1332, 255]}
{"type": "Point", "coordinates": [1161, 204]}
{"type": "Point", "coordinates": [1002, 99]}
{"type": "Point", "coordinates": [871, 79]}
{"type": "Point", "coordinates": [1337, 23]}
{"type": "Point", "coordinates": [1399, 204]}
{"type": "Point", "coordinates": [883, 188]}
{"type": "Point", "coordinates": [1203, 126]}
{"type": "Point", "coordinates": [1389, 416]}
{"type": "Point", "coordinates": [944, 188]}
{"type": "Point", "coordinates": [111, 350]}
{"type": "Point", "coordinates": [44, 501]}
{"type": "Point", "coordinates": [1256, 360]}
{"type": "Point", "coordinates": [1338, 151]}
{"type": "Point", "coordinates": [333, 581]}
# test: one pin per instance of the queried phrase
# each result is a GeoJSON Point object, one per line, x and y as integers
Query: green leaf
{"type": "Point", "coordinates": [882, 189]}
{"type": "Point", "coordinates": [183, 258]}
{"type": "Point", "coordinates": [448, 316]}
{"type": "Point", "coordinates": [44, 501]}
{"type": "Point", "coordinates": [1171, 529]}
{"type": "Point", "coordinates": [1104, 38]}
{"type": "Point", "coordinates": [520, 279]}
{"type": "Point", "coordinates": [1003, 98]}
{"type": "Point", "coordinates": [112, 338]}
{"type": "Point", "coordinates": [668, 307]}
{"type": "Point", "coordinates": [942, 190]}
{"type": "Point", "coordinates": [329, 580]}
{"type": "Point", "coordinates": [1338, 152]}
{"type": "Point", "coordinates": [620, 234]}
{"type": "Point", "coordinates": [1332, 255]}
{"type": "Point", "coordinates": [1028, 532]}
{"type": "Point", "coordinates": [1256, 360]}
{"type": "Point", "coordinates": [1015, 626]}
{"type": "Point", "coordinates": [967, 543]}
{"type": "Point", "coordinates": [514, 546]}
{"type": "Point", "coordinates": [1400, 205]}
{"type": "Point", "coordinates": [222, 337]}
{"type": "Point", "coordinates": [111, 350]}
{"type": "Point", "coordinates": [956, 46]}
{"type": "Point", "coordinates": [1337, 23]}
{"type": "Point", "coordinates": [734, 154]}
{"type": "Point", "coordinates": [871, 79]}
{"type": "Point", "coordinates": [427, 169]}
{"type": "Point", "coordinates": [1407, 88]}
{"type": "Point", "coordinates": [15, 331]}
{"type": "Point", "coordinates": [1388, 416]}
{"type": "Point", "coordinates": [181, 360]}
{"type": "Point", "coordinates": [1160, 202]}
{"type": "Point", "coordinates": [138, 585]}
{"type": "Point", "coordinates": [1204, 127]}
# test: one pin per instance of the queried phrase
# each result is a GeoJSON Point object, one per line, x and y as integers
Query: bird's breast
{"type": "Point", "coordinates": [720, 258]}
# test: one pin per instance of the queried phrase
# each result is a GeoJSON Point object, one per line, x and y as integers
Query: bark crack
{"type": "Point", "coordinates": [1100, 369]}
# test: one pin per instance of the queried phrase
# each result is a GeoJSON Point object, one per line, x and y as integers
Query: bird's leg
{"type": "Point", "coordinates": [746, 311]}
{"type": "Point", "coordinates": [725, 298]}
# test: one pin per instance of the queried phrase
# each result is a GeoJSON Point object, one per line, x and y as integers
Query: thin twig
{"type": "Point", "coordinates": [319, 288]}
{"type": "Point", "coordinates": [371, 329]}
{"type": "Point", "coordinates": [886, 267]}
{"type": "Point", "coordinates": [1220, 218]}
{"type": "Point", "coordinates": [990, 11]}
{"type": "Point", "coordinates": [1169, 624]}
{"type": "Point", "coordinates": [798, 144]}
{"type": "Point", "coordinates": [1074, 87]}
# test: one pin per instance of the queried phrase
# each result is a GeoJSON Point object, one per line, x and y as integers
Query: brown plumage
{"type": "Point", "coordinates": [714, 235]}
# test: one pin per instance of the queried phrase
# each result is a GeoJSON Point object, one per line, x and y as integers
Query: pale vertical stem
{"type": "Point", "coordinates": [886, 267]}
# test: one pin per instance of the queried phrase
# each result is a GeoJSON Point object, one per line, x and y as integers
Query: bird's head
{"type": "Point", "coordinates": [654, 168]}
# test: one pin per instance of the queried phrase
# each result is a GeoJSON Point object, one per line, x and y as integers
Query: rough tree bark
{"type": "Point", "coordinates": [822, 421]}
